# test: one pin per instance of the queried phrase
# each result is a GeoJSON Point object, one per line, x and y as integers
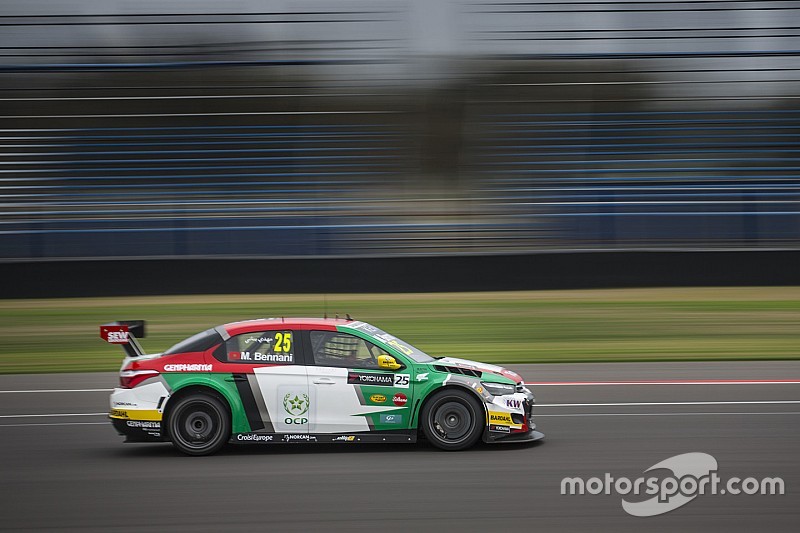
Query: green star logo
{"type": "Point", "coordinates": [295, 404]}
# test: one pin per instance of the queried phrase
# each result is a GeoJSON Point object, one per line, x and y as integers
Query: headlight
{"type": "Point", "coordinates": [499, 389]}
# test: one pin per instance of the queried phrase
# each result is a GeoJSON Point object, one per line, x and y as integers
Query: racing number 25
{"type": "Point", "coordinates": [283, 342]}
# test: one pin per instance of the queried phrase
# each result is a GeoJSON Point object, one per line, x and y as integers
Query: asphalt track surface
{"type": "Point", "coordinates": [64, 468]}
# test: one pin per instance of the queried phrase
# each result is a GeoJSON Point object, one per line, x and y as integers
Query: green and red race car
{"type": "Point", "coordinates": [284, 380]}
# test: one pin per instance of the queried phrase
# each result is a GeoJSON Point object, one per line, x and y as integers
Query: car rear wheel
{"type": "Point", "coordinates": [453, 420]}
{"type": "Point", "coordinates": [199, 424]}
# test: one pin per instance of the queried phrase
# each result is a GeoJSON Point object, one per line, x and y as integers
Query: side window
{"type": "Point", "coordinates": [331, 348]}
{"type": "Point", "coordinates": [260, 347]}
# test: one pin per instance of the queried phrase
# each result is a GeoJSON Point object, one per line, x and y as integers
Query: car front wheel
{"type": "Point", "coordinates": [453, 420]}
{"type": "Point", "coordinates": [199, 424]}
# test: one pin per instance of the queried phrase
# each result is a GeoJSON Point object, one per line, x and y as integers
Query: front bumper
{"type": "Point", "coordinates": [511, 419]}
{"type": "Point", "coordinates": [530, 436]}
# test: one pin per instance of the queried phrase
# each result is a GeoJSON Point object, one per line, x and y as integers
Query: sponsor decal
{"type": "Point", "coordinates": [118, 337]}
{"type": "Point", "coordinates": [296, 405]}
{"type": "Point", "coordinates": [514, 404]}
{"type": "Point", "coordinates": [423, 377]}
{"type": "Point", "coordinates": [114, 334]}
{"type": "Point", "coordinates": [345, 438]}
{"type": "Point", "coordinates": [143, 424]}
{"type": "Point", "coordinates": [364, 326]}
{"type": "Point", "coordinates": [302, 437]}
{"type": "Point", "coordinates": [499, 429]}
{"type": "Point", "coordinates": [124, 404]}
{"type": "Point", "coordinates": [400, 346]}
{"type": "Point", "coordinates": [383, 380]}
{"type": "Point", "coordinates": [391, 419]}
{"type": "Point", "coordinates": [254, 437]}
{"type": "Point", "coordinates": [399, 399]}
{"type": "Point", "coordinates": [377, 398]}
{"type": "Point", "coordinates": [135, 414]}
{"type": "Point", "coordinates": [500, 418]}
{"type": "Point", "coordinates": [188, 368]}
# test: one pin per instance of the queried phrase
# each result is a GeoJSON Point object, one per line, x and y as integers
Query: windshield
{"type": "Point", "coordinates": [390, 340]}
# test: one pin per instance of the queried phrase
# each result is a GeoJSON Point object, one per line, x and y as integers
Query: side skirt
{"type": "Point", "coordinates": [323, 438]}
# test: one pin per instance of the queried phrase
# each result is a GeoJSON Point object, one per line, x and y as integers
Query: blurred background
{"type": "Point", "coordinates": [290, 129]}
{"type": "Point", "coordinates": [438, 168]}
{"type": "Point", "coordinates": [256, 149]}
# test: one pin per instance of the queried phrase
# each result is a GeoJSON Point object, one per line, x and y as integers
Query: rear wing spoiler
{"type": "Point", "coordinates": [125, 333]}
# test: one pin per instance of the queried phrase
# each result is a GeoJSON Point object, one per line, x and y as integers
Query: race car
{"type": "Point", "coordinates": [286, 380]}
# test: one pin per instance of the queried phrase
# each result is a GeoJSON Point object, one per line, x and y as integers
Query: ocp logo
{"type": "Point", "coordinates": [297, 405]}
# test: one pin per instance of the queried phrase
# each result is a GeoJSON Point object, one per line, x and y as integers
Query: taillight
{"type": "Point", "coordinates": [128, 379]}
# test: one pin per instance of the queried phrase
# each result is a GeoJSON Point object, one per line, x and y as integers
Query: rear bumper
{"type": "Point", "coordinates": [138, 430]}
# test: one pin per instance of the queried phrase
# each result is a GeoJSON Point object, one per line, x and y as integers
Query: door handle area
{"type": "Point", "coordinates": [323, 381]}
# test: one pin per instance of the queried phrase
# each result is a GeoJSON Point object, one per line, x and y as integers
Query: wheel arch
{"type": "Point", "coordinates": [444, 388]}
{"type": "Point", "coordinates": [188, 390]}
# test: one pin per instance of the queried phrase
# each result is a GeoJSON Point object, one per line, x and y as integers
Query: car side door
{"type": "Point", "coordinates": [349, 392]}
{"type": "Point", "coordinates": [270, 377]}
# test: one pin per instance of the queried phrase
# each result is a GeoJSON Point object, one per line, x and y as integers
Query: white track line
{"type": "Point", "coordinates": [53, 390]}
{"type": "Point", "coordinates": [623, 404]}
{"type": "Point", "coordinates": [53, 415]}
{"type": "Point", "coordinates": [531, 384]}
{"type": "Point", "coordinates": [537, 416]}
{"type": "Point", "coordinates": [55, 424]}
{"type": "Point", "coordinates": [669, 414]}
{"type": "Point", "coordinates": [675, 382]}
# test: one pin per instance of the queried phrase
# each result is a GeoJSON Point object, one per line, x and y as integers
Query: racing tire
{"type": "Point", "coordinates": [453, 420]}
{"type": "Point", "coordinates": [199, 424]}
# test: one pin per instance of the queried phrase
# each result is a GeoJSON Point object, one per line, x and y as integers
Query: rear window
{"type": "Point", "coordinates": [197, 343]}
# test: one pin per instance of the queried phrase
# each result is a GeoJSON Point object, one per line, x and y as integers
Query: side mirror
{"type": "Point", "coordinates": [388, 362]}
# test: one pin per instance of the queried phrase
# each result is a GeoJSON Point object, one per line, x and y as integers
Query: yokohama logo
{"type": "Point", "coordinates": [357, 378]}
